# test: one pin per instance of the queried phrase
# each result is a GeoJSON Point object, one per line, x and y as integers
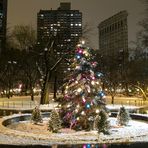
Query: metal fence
{"type": "Point", "coordinates": [17, 104]}
{"type": "Point", "coordinates": [32, 104]}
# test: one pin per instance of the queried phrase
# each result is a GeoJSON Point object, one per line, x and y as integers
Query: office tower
{"type": "Point", "coordinates": [3, 24]}
{"type": "Point", "coordinates": [65, 27]}
{"type": "Point", "coordinates": [64, 24]}
{"type": "Point", "coordinates": [113, 41]}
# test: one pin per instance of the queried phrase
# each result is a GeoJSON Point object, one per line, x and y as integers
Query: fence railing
{"type": "Point", "coordinates": [32, 104]}
{"type": "Point", "coordinates": [17, 104]}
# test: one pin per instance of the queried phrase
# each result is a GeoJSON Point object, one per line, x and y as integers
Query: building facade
{"type": "Point", "coordinates": [64, 27]}
{"type": "Point", "coordinates": [113, 41]}
{"type": "Point", "coordinates": [3, 24]}
{"type": "Point", "coordinates": [64, 24]}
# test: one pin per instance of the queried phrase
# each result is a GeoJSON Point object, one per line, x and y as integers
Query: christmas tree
{"type": "Point", "coordinates": [102, 122]}
{"type": "Point", "coordinates": [83, 95]}
{"type": "Point", "coordinates": [123, 116]}
{"type": "Point", "coordinates": [36, 115]}
{"type": "Point", "coordinates": [54, 123]}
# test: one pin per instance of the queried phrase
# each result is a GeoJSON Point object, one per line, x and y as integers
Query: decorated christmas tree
{"type": "Point", "coordinates": [83, 95]}
{"type": "Point", "coordinates": [36, 115]}
{"type": "Point", "coordinates": [102, 122]}
{"type": "Point", "coordinates": [54, 123]}
{"type": "Point", "coordinates": [123, 116]}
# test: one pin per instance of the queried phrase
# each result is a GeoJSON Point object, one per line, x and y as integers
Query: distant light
{"type": "Point", "coordinates": [45, 49]}
{"type": "Point", "coordinates": [83, 42]}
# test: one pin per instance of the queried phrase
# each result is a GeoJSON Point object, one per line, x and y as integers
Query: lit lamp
{"type": "Point", "coordinates": [82, 42]}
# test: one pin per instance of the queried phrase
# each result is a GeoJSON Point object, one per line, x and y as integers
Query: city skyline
{"type": "Point", "coordinates": [22, 12]}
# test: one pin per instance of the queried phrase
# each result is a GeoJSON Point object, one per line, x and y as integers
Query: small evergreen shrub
{"type": "Point", "coordinates": [102, 122]}
{"type": "Point", "coordinates": [123, 116]}
{"type": "Point", "coordinates": [36, 115]}
{"type": "Point", "coordinates": [54, 123]}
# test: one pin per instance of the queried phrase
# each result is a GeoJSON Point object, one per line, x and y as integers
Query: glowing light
{"type": "Point", "coordinates": [88, 146]}
{"type": "Point", "coordinates": [78, 56]}
{"type": "Point", "coordinates": [84, 100]}
{"type": "Point", "coordinates": [84, 146]}
{"type": "Point", "coordinates": [79, 89]}
{"type": "Point", "coordinates": [78, 106]}
{"type": "Point", "coordinates": [78, 118]}
{"type": "Point", "coordinates": [129, 90]}
{"type": "Point", "coordinates": [99, 74]}
{"type": "Point", "coordinates": [97, 110]}
{"type": "Point", "coordinates": [76, 110]}
{"type": "Point", "coordinates": [66, 87]}
{"type": "Point", "coordinates": [97, 82]}
{"type": "Point", "coordinates": [76, 82]}
{"type": "Point", "coordinates": [79, 45]}
{"type": "Point", "coordinates": [34, 90]}
{"type": "Point", "coordinates": [80, 51]}
{"type": "Point", "coordinates": [87, 106]}
{"type": "Point", "coordinates": [68, 105]}
{"type": "Point", "coordinates": [104, 146]}
{"type": "Point", "coordinates": [83, 42]}
{"type": "Point", "coordinates": [92, 82]}
{"type": "Point", "coordinates": [101, 94]}
{"type": "Point", "coordinates": [93, 78]}
{"type": "Point", "coordinates": [78, 67]}
{"type": "Point", "coordinates": [20, 86]}
{"type": "Point", "coordinates": [85, 53]}
{"type": "Point", "coordinates": [82, 113]}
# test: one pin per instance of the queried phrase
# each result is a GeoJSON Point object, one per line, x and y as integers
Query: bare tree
{"type": "Point", "coordinates": [142, 35]}
{"type": "Point", "coordinates": [24, 36]}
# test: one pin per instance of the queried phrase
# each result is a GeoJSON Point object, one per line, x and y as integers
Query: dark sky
{"type": "Point", "coordinates": [94, 11]}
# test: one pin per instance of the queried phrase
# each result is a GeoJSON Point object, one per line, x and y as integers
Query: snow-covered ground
{"type": "Point", "coordinates": [110, 107]}
{"type": "Point", "coordinates": [26, 133]}
{"type": "Point", "coordinates": [38, 134]}
{"type": "Point", "coordinates": [117, 107]}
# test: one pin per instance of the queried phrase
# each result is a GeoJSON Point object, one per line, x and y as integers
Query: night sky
{"type": "Point", "coordinates": [94, 11]}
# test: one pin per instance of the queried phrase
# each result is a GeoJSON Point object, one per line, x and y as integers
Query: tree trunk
{"type": "Point", "coordinates": [32, 95]}
{"type": "Point", "coordinates": [126, 89]}
{"type": "Point", "coordinates": [45, 89]}
{"type": "Point", "coordinates": [112, 102]}
{"type": "Point", "coordinates": [55, 86]}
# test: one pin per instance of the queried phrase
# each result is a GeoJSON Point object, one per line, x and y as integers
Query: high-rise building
{"type": "Point", "coordinates": [65, 24]}
{"type": "Point", "coordinates": [65, 27]}
{"type": "Point", "coordinates": [113, 41]}
{"type": "Point", "coordinates": [3, 23]}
